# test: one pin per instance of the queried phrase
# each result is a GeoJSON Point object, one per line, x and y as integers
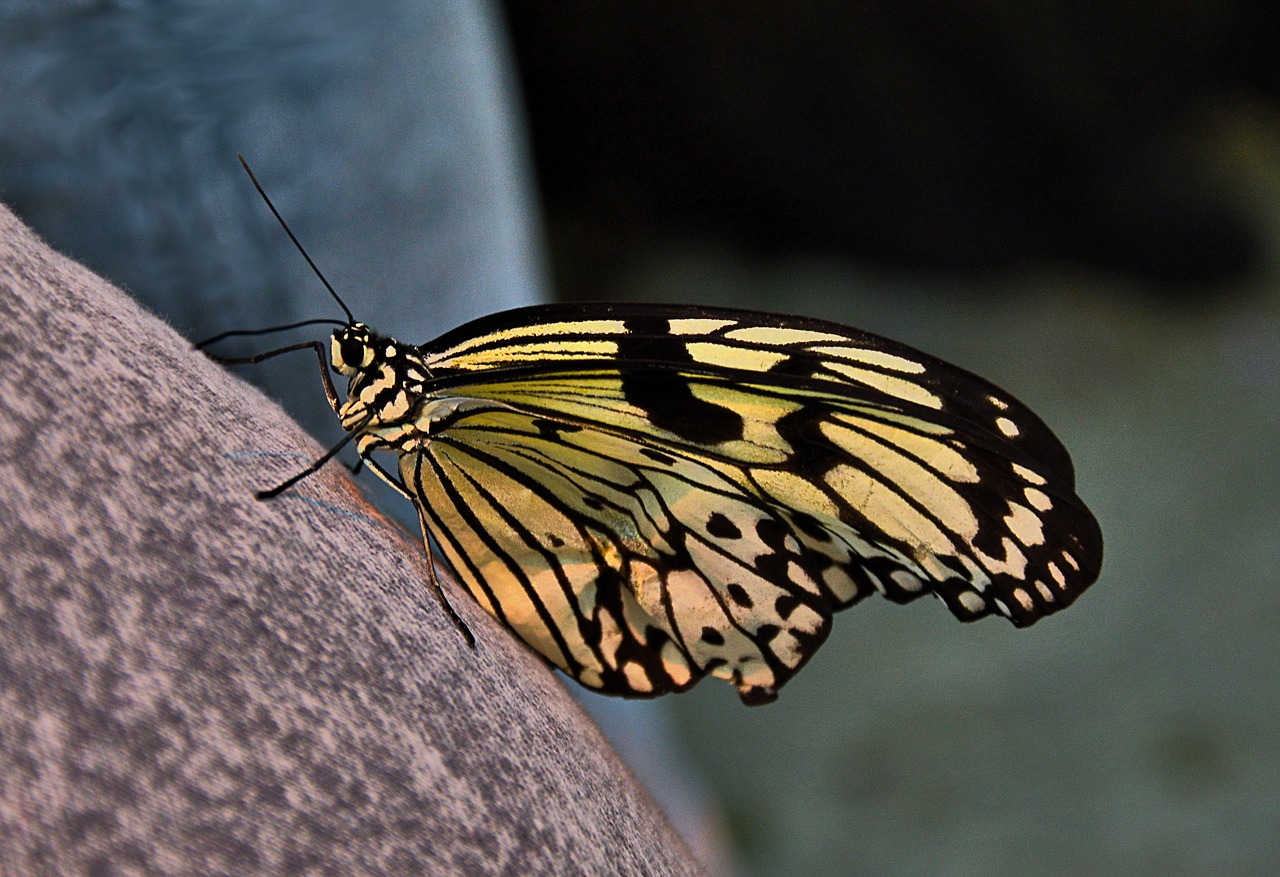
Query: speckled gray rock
{"type": "Point", "coordinates": [194, 681]}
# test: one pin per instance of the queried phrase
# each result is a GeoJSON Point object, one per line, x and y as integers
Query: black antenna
{"type": "Point", "coordinates": [280, 219]}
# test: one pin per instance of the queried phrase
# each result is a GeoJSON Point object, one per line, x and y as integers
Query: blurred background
{"type": "Point", "coordinates": [1079, 203]}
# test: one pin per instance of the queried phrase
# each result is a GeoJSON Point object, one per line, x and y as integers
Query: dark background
{"type": "Point", "coordinates": [946, 136]}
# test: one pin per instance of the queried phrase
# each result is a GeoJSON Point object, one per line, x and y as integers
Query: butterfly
{"type": "Point", "coordinates": [650, 494]}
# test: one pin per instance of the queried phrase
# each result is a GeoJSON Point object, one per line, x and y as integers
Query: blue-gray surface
{"type": "Point", "coordinates": [392, 144]}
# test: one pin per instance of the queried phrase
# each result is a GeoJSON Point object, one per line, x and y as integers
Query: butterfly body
{"type": "Point", "coordinates": [647, 494]}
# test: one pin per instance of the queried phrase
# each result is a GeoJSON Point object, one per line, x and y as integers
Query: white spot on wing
{"type": "Point", "coordinates": [1058, 577]}
{"type": "Point", "coordinates": [1025, 525]}
{"type": "Point", "coordinates": [905, 580]}
{"type": "Point", "coordinates": [637, 679]}
{"type": "Point", "coordinates": [839, 583]}
{"type": "Point", "coordinates": [727, 356]}
{"type": "Point", "coordinates": [797, 576]}
{"type": "Point", "coordinates": [1039, 501]}
{"type": "Point", "coordinates": [1027, 475]}
{"type": "Point", "coordinates": [697, 326]}
{"type": "Point", "coordinates": [674, 663]}
{"type": "Point", "coordinates": [1008, 427]}
{"type": "Point", "coordinates": [780, 335]}
{"type": "Point", "coordinates": [872, 357]}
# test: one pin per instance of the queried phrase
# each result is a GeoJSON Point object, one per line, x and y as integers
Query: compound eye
{"type": "Point", "coordinates": [353, 352]}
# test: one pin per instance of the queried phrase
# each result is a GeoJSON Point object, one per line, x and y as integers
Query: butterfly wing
{"type": "Point", "coordinates": [654, 437]}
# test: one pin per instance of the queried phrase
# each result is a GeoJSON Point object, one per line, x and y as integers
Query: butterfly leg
{"type": "Point", "coordinates": [439, 590]}
{"type": "Point", "coordinates": [404, 491]}
{"type": "Point", "coordinates": [332, 394]}
{"type": "Point", "coordinates": [386, 476]}
{"type": "Point", "coordinates": [427, 540]}
{"type": "Point", "coordinates": [310, 470]}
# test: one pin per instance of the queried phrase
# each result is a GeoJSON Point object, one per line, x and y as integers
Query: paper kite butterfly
{"type": "Point", "coordinates": [649, 494]}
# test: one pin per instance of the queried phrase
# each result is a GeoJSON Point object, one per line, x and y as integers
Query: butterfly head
{"type": "Point", "coordinates": [352, 349]}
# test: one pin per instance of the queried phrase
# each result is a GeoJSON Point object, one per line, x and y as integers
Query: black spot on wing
{"type": "Point", "coordinates": [810, 526]}
{"type": "Point", "coordinates": [766, 633]}
{"type": "Point", "coordinates": [773, 533]}
{"type": "Point", "coordinates": [551, 429]}
{"type": "Point", "coordinates": [658, 457]}
{"type": "Point", "coordinates": [667, 400]}
{"type": "Point", "coordinates": [721, 527]}
{"type": "Point", "coordinates": [799, 364]}
{"type": "Point", "coordinates": [785, 605]}
{"type": "Point", "coordinates": [813, 454]}
{"type": "Point", "coordinates": [773, 565]}
{"type": "Point", "coordinates": [757, 695]}
{"type": "Point", "coordinates": [650, 359]}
